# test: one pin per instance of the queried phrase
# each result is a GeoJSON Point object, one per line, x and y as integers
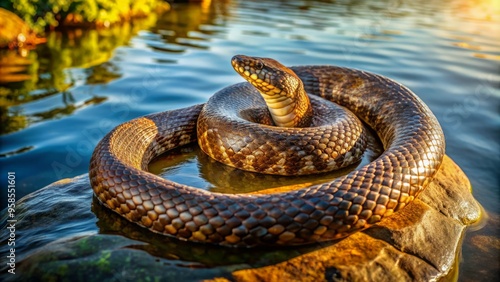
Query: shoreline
{"type": "Point", "coordinates": [21, 30]}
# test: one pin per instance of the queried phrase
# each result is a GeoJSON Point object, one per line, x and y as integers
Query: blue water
{"type": "Point", "coordinates": [83, 84]}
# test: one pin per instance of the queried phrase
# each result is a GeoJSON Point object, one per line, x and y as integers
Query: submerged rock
{"type": "Point", "coordinates": [65, 235]}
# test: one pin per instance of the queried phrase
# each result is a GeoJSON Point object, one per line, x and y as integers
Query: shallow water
{"type": "Point", "coordinates": [71, 91]}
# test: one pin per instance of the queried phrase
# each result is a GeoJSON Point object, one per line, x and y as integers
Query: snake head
{"type": "Point", "coordinates": [269, 76]}
{"type": "Point", "coordinates": [282, 90]}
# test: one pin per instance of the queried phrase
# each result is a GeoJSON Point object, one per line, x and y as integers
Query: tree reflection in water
{"type": "Point", "coordinates": [28, 76]}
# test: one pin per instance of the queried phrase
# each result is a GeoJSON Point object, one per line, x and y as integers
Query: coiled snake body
{"type": "Point", "coordinates": [413, 150]}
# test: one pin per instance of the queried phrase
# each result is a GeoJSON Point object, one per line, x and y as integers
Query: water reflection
{"type": "Point", "coordinates": [183, 27]}
{"type": "Point", "coordinates": [69, 107]}
{"type": "Point", "coordinates": [44, 72]}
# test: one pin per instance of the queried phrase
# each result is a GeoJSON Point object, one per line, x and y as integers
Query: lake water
{"type": "Point", "coordinates": [58, 100]}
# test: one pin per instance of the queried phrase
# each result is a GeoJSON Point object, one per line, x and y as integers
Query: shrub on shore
{"type": "Point", "coordinates": [50, 14]}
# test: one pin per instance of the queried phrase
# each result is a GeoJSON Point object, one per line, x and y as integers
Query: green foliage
{"type": "Point", "coordinates": [45, 14]}
{"type": "Point", "coordinates": [44, 71]}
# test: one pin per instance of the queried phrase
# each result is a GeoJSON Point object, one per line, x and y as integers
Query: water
{"type": "Point", "coordinates": [71, 91]}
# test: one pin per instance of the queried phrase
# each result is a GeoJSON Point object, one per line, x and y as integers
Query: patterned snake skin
{"type": "Point", "coordinates": [335, 139]}
{"type": "Point", "coordinates": [411, 136]}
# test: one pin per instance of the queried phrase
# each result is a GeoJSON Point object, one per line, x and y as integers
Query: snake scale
{"type": "Point", "coordinates": [413, 151]}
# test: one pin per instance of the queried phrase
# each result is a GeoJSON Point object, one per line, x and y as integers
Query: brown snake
{"type": "Point", "coordinates": [413, 151]}
{"type": "Point", "coordinates": [312, 135]}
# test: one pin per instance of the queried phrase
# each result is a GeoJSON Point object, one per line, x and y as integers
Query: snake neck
{"type": "Point", "coordinates": [282, 90]}
{"type": "Point", "coordinates": [289, 112]}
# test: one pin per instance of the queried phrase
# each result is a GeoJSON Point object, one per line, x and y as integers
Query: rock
{"type": "Point", "coordinates": [73, 237]}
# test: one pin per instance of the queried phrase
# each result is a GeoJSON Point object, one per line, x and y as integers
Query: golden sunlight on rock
{"type": "Point", "coordinates": [419, 243]}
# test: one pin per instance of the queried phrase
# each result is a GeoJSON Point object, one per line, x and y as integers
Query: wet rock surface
{"type": "Point", "coordinates": [62, 233]}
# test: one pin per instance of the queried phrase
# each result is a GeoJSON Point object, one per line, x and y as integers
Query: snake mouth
{"type": "Point", "coordinates": [241, 61]}
{"type": "Point", "coordinates": [259, 74]}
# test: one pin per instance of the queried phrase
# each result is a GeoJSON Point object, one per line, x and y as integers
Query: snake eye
{"type": "Point", "coordinates": [259, 65]}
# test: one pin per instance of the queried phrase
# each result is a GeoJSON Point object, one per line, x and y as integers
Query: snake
{"type": "Point", "coordinates": [411, 136]}
{"type": "Point", "coordinates": [296, 134]}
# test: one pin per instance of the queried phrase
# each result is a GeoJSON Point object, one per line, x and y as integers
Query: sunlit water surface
{"type": "Point", "coordinates": [58, 101]}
